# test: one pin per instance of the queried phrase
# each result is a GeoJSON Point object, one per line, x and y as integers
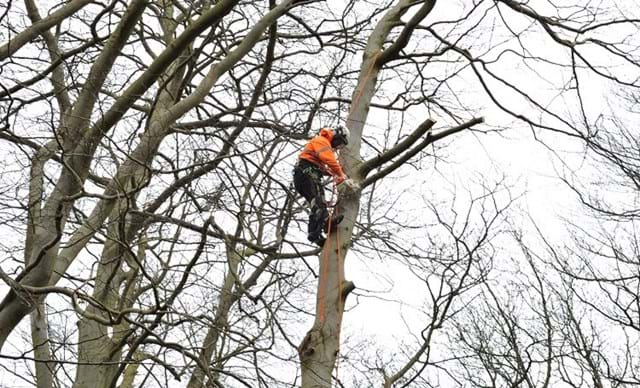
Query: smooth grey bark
{"type": "Point", "coordinates": [227, 297]}
{"type": "Point", "coordinates": [100, 345]}
{"type": "Point", "coordinates": [99, 348]}
{"type": "Point", "coordinates": [96, 342]}
{"type": "Point", "coordinates": [26, 36]}
{"type": "Point", "coordinates": [41, 347]}
{"type": "Point", "coordinates": [158, 128]}
{"type": "Point", "coordinates": [39, 321]}
{"type": "Point", "coordinates": [47, 227]}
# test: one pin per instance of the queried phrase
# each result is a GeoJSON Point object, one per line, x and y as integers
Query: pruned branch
{"type": "Point", "coordinates": [386, 156]}
{"type": "Point", "coordinates": [431, 138]}
{"type": "Point", "coordinates": [448, 132]}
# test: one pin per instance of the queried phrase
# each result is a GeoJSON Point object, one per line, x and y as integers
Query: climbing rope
{"type": "Point", "coordinates": [340, 307]}
{"type": "Point", "coordinates": [324, 264]}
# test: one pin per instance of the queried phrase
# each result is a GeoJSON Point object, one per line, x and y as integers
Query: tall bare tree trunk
{"type": "Point", "coordinates": [220, 321]}
{"type": "Point", "coordinates": [319, 348]}
{"type": "Point", "coordinates": [227, 297]}
{"type": "Point", "coordinates": [47, 227]}
{"type": "Point", "coordinates": [41, 346]}
{"type": "Point", "coordinates": [39, 320]}
{"type": "Point", "coordinates": [100, 341]}
{"type": "Point", "coordinates": [97, 345]}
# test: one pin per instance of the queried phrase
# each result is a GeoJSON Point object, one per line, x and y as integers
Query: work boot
{"type": "Point", "coordinates": [334, 223]}
{"type": "Point", "coordinates": [317, 239]}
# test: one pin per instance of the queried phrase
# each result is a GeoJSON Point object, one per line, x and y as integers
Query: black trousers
{"type": "Point", "coordinates": [307, 180]}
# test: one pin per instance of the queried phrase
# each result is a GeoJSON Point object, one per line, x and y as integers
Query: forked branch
{"type": "Point", "coordinates": [429, 139]}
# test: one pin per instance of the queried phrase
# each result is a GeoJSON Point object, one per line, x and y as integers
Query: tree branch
{"type": "Point", "coordinates": [386, 156]}
{"type": "Point", "coordinates": [441, 135]}
{"type": "Point", "coordinates": [24, 37]}
{"type": "Point", "coordinates": [57, 75]}
{"type": "Point", "coordinates": [431, 138]}
{"type": "Point", "coordinates": [403, 39]}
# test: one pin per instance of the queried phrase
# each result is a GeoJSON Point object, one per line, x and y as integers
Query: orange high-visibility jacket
{"type": "Point", "coordinates": [319, 152]}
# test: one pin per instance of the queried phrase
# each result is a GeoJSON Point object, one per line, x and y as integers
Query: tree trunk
{"type": "Point", "coordinates": [320, 347]}
{"type": "Point", "coordinates": [225, 301]}
{"type": "Point", "coordinates": [41, 348]}
{"type": "Point", "coordinates": [47, 228]}
{"type": "Point", "coordinates": [99, 344]}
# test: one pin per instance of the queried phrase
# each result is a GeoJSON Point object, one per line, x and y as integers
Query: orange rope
{"type": "Point", "coordinates": [340, 307]}
{"type": "Point", "coordinates": [324, 263]}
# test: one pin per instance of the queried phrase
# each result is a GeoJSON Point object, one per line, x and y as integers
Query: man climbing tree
{"type": "Point", "coordinates": [316, 160]}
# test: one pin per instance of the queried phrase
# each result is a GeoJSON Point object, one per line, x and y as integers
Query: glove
{"type": "Point", "coordinates": [348, 187]}
{"type": "Point", "coordinates": [351, 185]}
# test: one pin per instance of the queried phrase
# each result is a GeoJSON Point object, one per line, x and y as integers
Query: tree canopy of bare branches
{"type": "Point", "coordinates": [152, 237]}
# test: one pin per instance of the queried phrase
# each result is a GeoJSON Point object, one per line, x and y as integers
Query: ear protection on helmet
{"type": "Point", "coordinates": [340, 137]}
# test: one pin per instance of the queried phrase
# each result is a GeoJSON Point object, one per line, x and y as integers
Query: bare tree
{"type": "Point", "coordinates": [154, 232]}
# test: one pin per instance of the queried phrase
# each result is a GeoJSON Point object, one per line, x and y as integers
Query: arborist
{"type": "Point", "coordinates": [316, 160]}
